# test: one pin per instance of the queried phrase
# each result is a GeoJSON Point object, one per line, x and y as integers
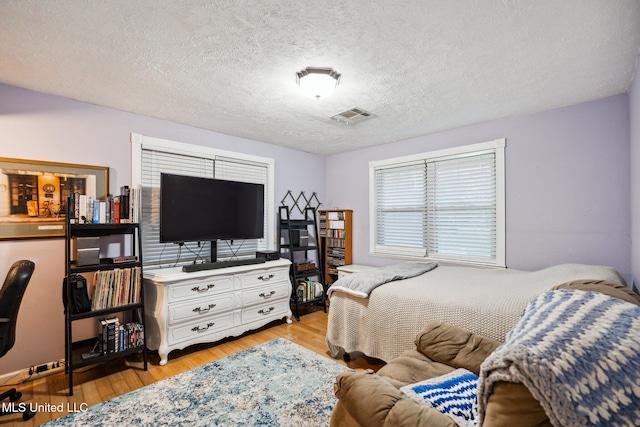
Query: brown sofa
{"type": "Point", "coordinates": [367, 399]}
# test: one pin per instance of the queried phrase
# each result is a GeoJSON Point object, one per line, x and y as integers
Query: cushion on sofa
{"type": "Point", "coordinates": [513, 401]}
{"type": "Point", "coordinates": [370, 400]}
{"type": "Point", "coordinates": [454, 346]}
{"type": "Point", "coordinates": [412, 367]}
{"type": "Point", "coordinates": [611, 289]}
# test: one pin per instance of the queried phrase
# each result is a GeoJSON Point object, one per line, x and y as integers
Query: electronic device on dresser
{"type": "Point", "coordinates": [195, 209]}
{"type": "Point", "coordinates": [268, 255]}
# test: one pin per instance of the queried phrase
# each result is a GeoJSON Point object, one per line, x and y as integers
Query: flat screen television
{"type": "Point", "coordinates": [201, 209]}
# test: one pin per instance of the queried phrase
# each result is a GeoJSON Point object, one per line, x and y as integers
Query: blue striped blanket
{"type": "Point", "coordinates": [453, 394]}
{"type": "Point", "coordinates": [578, 353]}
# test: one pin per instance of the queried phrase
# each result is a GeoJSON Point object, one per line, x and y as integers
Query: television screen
{"type": "Point", "coordinates": [201, 209]}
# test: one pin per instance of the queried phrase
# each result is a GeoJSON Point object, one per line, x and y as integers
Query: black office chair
{"type": "Point", "coordinates": [11, 295]}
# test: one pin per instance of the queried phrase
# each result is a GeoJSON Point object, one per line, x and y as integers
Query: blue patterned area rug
{"type": "Point", "coordinates": [278, 383]}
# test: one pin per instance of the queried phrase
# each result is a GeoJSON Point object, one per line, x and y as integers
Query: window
{"type": "Point", "coordinates": [446, 205]}
{"type": "Point", "coordinates": [151, 157]}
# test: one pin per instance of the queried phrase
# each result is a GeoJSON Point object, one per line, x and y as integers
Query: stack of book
{"type": "Point", "coordinates": [115, 337]}
{"type": "Point", "coordinates": [113, 288]}
{"type": "Point", "coordinates": [125, 208]}
{"type": "Point", "coordinates": [309, 290]}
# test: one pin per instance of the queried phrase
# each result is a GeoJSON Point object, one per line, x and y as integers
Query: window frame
{"type": "Point", "coordinates": [141, 142]}
{"type": "Point", "coordinates": [497, 147]}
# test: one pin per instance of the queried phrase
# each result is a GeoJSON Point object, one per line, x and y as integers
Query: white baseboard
{"type": "Point", "coordinates": [12, 377]}
{"type": "Point", "coordinates": [29, 374]}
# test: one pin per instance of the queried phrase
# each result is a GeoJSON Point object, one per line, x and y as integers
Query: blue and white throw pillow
{"type": "Point", "coordinates": [454, 394]}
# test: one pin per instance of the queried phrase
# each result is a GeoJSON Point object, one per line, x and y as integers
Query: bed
{"type": "Point", "coordinates": [487, 302]}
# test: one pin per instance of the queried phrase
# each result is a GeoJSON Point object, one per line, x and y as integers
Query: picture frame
{"type": "Point", "coordinates": [33, 195]}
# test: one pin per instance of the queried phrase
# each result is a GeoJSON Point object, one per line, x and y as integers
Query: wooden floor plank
{"type": "Point", "coordinates": [101, 382]}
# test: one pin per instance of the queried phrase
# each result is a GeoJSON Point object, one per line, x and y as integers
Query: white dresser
{"type": "Point", "coordinates": [206, 306]}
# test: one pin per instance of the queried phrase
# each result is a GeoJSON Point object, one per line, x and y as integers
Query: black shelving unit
{"type": "Point", "coordinates": [130, 245]}
{"type": "Point", "coordinates": [292, 247]}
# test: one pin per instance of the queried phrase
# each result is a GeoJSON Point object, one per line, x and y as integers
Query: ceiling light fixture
{"type": "Point", "coordinates": [318, 82]}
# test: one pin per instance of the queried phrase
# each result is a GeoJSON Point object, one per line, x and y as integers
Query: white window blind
{"type": "Point", "coordinates": [158, 156]}
{"type": "Point", "coordinates": [445, 205]}
{"type": "Point", "coordinates": [461, 208]}
{"type": "Point", "coordinates": [401, 208]}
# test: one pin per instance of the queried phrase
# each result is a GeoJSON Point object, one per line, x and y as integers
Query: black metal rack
{"type": "Point", "coordinates": [75, 350]}
{"type": "Point", "coordinates": [290, 245]}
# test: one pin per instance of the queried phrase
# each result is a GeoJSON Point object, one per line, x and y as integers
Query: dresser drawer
{"type": "Point", "coordinates": [200, 287]}
{"type": "Point", "coordinates": [273, 309]}
{"type": "Point", "coordinates": [206, 306]}
{"type": "Point", "coordinates": [264, 276]}
{"type": "Point", "coordinates": [195, 331]}
{"type": "Point", "coordinates": [261, 294]}
{"type": "Point", "coordinates": [200, 307]}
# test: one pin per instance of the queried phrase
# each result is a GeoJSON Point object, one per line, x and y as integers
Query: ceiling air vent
{"type": "Point", "coordinates": [352, 116]}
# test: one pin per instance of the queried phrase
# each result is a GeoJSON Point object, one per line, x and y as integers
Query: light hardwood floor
{"type": "Point", "coordinates": [98, 383]}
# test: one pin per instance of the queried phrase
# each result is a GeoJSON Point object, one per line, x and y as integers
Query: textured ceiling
{"type": "Point", "coordinates": [229, 66]}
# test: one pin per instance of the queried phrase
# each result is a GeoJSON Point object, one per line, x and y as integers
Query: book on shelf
{"type": "Point", "coordinates": [322, 224]}
{"type": "Point", "coordinates": [124, 203]}
{"type": "Point", "coordinates": [124, 208]}
{"type": "Point", "coordinates": [96, 212]}
{"type": "Point", "coordinates": [81, 207]}
{"type": "Point", "coordinates": [113, 288]}
{"type": "Point", "coordinates": [335, 215]}
{"type": "Point", "coordinates": [335, 224]}
{"type": "Point", "coordinates": [337, 233]}
{"type": "Point", "coordinates": [116, 210]}
{"type": "Point", "coordinates": [131, 335]}
{"type": "Point", "coordinates": [309, 290]}
{"type": "Point", "coordinates": [108, 335]}
{"type": "Point", "coordinates": [102, 212]}
{"type": "Point", "coordinates": [115, 337]}
{"type": "Point", "coordinates": [338, 243]}
{"type": "Point", "coordinates": [335, 261]}
{"type": "Point", "coordinates": [73, 208]}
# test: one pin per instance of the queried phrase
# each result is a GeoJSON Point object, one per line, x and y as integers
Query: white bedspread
{"type": "Point", "coordinates": [487, 302]}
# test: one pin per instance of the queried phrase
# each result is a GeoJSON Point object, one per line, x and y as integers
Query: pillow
{"type": "Point", "coordinates": [454, 346]}
{"type": "Point", "coordinates": [611, 289]}
{"type": "Point", "coordinates": [512, 404]}
{"type": "Point", "coordinates": [454, 394]}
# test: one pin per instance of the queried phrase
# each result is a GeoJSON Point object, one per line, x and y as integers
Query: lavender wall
{"type": "Point", "coordinates": [567, 181]}
{"type": "Point", "coordinates": [43, 127]}
{"type": "Point", "coordinates": [634, 115]}
{"type": "Point", "coordinates": [568, 186]}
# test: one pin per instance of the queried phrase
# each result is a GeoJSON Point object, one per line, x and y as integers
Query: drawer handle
{"type": "Point", "coordinates": [203, 310]}
{"type": "Point", "coordinates": [265, 312]}
{"type": "Point", "coordinates": [266, 278]}
{"type": "Point", "coordinates": [267, 296]}
{"type": "Point", "coordinates": [199, 329]}
{"type": "Point", "coordinates": [199, 289]}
